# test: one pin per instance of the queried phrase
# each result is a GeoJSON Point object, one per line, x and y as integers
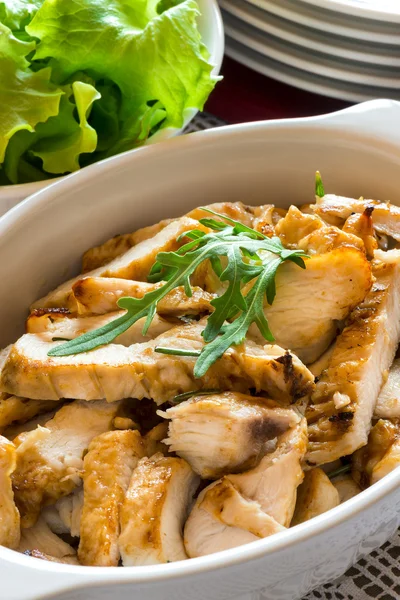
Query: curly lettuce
{"type": "Point", "coordinates": [84, 79]}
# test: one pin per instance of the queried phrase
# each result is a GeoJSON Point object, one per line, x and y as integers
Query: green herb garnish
{"type": "Point", "coordinates": [340, 471]}
{"type": "Point", "coordinates": [319, 186]}
{"type": "Point", "coordinates": [176, 351]}
{"type": "Point", "coordinates": [186, 395]}
{"type": "Point", "coordinates": [251, 257]}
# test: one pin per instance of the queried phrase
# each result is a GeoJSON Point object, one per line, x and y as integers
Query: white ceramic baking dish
{"type": "Point", "coordinates": [212, 33]}
{"type": "Point", "coordinates": [41, 241]}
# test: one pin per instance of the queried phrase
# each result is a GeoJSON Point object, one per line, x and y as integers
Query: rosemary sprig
{"type": "Point", "coordinates": [340, 471]}
{"type": "Point", "coordinates": [186, 395]}
{"type": "Point", "coordinates": [251, 257]}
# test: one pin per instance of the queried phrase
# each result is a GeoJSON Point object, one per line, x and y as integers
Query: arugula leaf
{"type": "Point", "coordinates": [319, 186]}
{"type": "Point", "coordinates": [176, 268]}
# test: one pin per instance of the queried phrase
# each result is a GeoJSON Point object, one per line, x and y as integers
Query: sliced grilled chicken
{"type": "Point", "coordinates": [65, 515]}
{"type": "Point", "coordinates": [311, 234]}
{"type": "Point", "coordinates": [274, 482]}
{"type": "Point", "coordinates": [322, 363]}
{"type": "Point", "coordinates": [388, 404]}
{"type": "Point", "coordinates": [50, 458]}
{"type": "Point", "coordinates": [234, 210]}
{"type": "Point", "coordinates": [155, 438]}
{"type": "Point", "coordinates": [66, 326]}
{"type": "Point", "coordinates": [336, 281]}
{"type": "Point", "coordinates": [380, 456]}
{"type": "Point", "coordinates": [13, 431]}
{"type": "Point", "coordinates": [119, 244]}
{"type": "Point", "coordinates": [154, 511]}
{"type": "Point", "coordinates": [15, 410]}
{"type": "Point", "coordinates": [225, 433]}
{"type": "Point", "coordinates": [99, 295]}
{"type": "Point", "coordinates": [9, 515]}
{"type": "Point", "coordinates": [238, 509]}
{"type": "Point", "coordinates": [346, 487]}
{"type": "Point", "coordinates": [336, 209]}
{"type": "Point", "coordinates": [346, 393]}
{"type": "Point", "coordinates": [133, 264]}
{"type": "Point", "coordinates": [39, 541]}
{"type": "Point", "coordinates": [115, 372]}
{"type": "Point", "coordinates": [266, 218]}
{"type": "Point", "coordinates": [222, 518]}
{"type": "Point", "coordinates": [108, 467]}
{"type": "Point", "coordinates": [337, 277]}
{"type": "Point", "coordinates": [361, 225]}
{"type": "Point", "coordinates": [315, 496]}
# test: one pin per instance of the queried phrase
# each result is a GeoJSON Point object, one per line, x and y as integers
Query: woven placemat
{"type": "Point", "coordinates": [378, 575]}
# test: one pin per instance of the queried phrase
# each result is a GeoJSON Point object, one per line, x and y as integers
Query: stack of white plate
{"type": "Point", "coordinates": [348, 49]}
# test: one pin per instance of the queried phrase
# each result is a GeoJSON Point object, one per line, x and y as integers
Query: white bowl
{"type": "Point", "coordinates": [41, 240]}
{"type": "Point", "coordinates": [212, 33]}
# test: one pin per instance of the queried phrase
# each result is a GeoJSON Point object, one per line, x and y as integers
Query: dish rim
{"type": "Point", "coordinates": [360, 117]}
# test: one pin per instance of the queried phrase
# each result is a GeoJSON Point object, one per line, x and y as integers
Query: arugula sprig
{"type": "Point", "coordinates": [249, 257]}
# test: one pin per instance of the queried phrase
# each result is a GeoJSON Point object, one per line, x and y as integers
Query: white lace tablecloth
{"type": "Point", "coordinates": [378, 575]}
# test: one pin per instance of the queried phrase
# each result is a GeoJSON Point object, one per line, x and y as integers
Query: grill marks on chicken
{"type": "Point", "coordinates": [348, 389]}
{"type": "Point", "coordinates": [107, 471]}
{"type": "Point", "coordinates": [115, 372]}
{"type": "Point", "coordinates": [9, 515]}
{"type": "Point", "coordinates": [225, 433]}
{"type": "Point", "coordinates": [154, 511]}
{"type": "Point", "coordinates": [50, 458]}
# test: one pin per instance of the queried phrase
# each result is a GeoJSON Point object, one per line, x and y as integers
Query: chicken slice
{"type": "Point", "coordinates": [388, 404]}
{"type": "Point", "coordinates": [311, 234]}
{"type": "Point", "coordinates": [154, 511]}
{"type": "Point", "coordinates": [65, 515]}
{"type": "Point", "coordinates": [225, 433]}
{"type": "Point", "coordinates": [274, 482]}
{"type": "Point", "coordinates": [322, 363]}
{"type": "Point", "coordinates": [361, 225]}
{"type": "Point", "coordinates": [65, 326]}
{"type": "Point", "coordinates": [15, 410]}
{"type": "Point", "coordinates": [115, 372]}
{"type": "Point", "coordinates": [234, 210]}
{"type": "Point", "coordinates": [380, 456]}
{"type": "Point", "coordinates": [347, 390]}
{"type": "Point", "coordinates": [39, 541]}
{"type": "Point", "coordinates": [99, 256]}
{"type": "Point", "coordinates": [336, 209]}
{"type": "Point", "coordinates": [9, 515]}
{"type": "Point", "coordinates": [346, 487]}
{"type": "Point", "coordinates": [315, 496]}
{"type": "Point", "coordinates": [309, 303]}
{"type": "Point", "coordinates": [133, 264]}
{"type": "Point", "coordinates": [108, 466]}
{"type": "Point", "coordinates": [266, 218]}
{"type": "Point", "coordinates": [238, 509]}
{"type": "Point", "coordinates": [222, 518]}
{"type": "Point", "coordinates": [99, 295]}
{"type": "Point", "coordinates": [50, 458]}
{"type": "Point", "coordinates": [154, 440]}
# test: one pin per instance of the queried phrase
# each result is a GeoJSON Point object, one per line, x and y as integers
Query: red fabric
{"type": "Point", "coordinates": [244, 95]}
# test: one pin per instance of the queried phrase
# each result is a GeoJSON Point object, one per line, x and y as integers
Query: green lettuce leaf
{"type": "Point", "coordinates": [151, 57]}
{"type": "Point", "coordinates": [31, 96]}
{"type": "Point", "coordinates": [60, 153]}
{"type": "Point", "coordinates": [59, 142]}
{"type": "Point", "coordinates": [15, 14]}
